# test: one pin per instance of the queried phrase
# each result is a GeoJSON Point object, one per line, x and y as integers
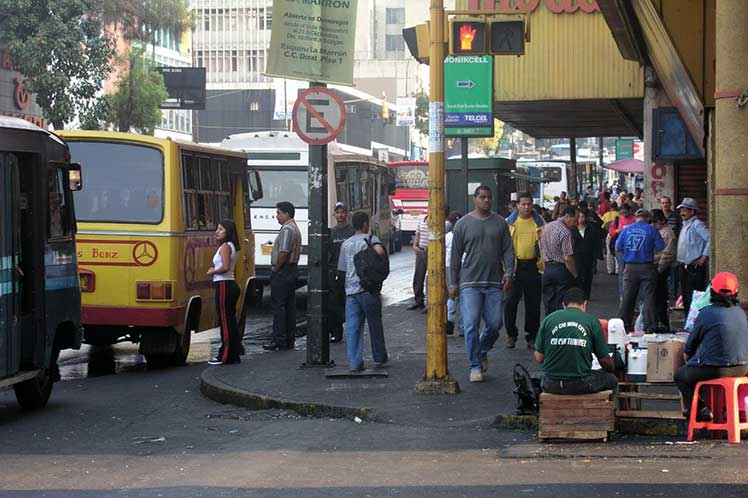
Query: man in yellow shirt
{"type": "Point", "coordinates": [524, 227]}
{"type": "Point", "coordinates": [611, 265]}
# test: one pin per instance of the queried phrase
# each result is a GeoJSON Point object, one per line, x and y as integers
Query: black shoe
{"type": "Point", "coordinates": [450, 328]}
{"type": "Point", "coordinates": [358, 369]}
{"type": "Point", "coordinates": [704, 415]}
{"type": "Point", "coordinates": [417, 306]}
{"type": "Point", "coordinates": [274, 347]}
{"type": "Point", "coordinates": [336, 338]}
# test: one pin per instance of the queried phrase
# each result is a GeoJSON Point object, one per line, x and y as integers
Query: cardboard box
{"type": "Point", "coordinates": [663, 359]}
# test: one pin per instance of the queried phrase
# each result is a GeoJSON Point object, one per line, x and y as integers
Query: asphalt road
{"type": "Point", "coordinates": [145, 433]}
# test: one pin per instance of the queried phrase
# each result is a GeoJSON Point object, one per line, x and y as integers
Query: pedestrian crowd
{"type": "Point", "coordinates": [535, 255]}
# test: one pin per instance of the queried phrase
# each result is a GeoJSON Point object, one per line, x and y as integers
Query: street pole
{"type": "Point", "coordinates": [465, 174]}
{"type": "Point", "coordinates": [730, 185]}
{"type": "Point", "coordinates": [436, 380]}
{"type": "Point", "coordinates": [572, 173]}
{"type": "Point", "coordinates": [318, 339]}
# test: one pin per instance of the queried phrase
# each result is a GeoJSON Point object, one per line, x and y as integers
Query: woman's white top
{"type": "Point", "coordinates": [218, 262]}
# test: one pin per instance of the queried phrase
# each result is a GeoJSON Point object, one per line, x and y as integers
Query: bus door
{"type": "Point", "coordinates": [10, 292]}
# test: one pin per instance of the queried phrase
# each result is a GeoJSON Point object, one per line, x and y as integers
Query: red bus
{"type": "Point", "coordinates": [411, 195]}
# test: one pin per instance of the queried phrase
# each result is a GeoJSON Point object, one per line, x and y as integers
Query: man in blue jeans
{"type": "Point", "coordinates": [486, 270]}
{"type": "Point", "coordinates": [361, 304]}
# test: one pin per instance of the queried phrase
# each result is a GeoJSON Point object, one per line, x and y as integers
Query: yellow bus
{"type": "Point", "coordinates": [146, 224]}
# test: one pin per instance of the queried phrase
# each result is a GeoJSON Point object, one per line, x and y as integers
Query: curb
{"type": "Point", "coordinates": [215, 389]}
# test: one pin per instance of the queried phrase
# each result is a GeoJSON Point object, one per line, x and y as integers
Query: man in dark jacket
{"type": "Point", "coordinates": [718, 344]}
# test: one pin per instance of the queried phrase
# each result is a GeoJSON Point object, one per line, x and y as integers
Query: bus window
{"type": "Point", "coordinates": [365, 187]}
{"type": "Point", "coordinates": [207, 192]}
{"type": "Point", "coordinates": [124, 182]}
{"type": "Point", "coordinates": [284, 185]}
{"type": "Point", "coordinates": [58, 224]}
{"type": "Point", "coordinates": [341, 185]}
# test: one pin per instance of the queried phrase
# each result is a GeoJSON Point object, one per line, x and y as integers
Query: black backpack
{"type": "Point", "coordinates": [527, 391]}
{"type": "Point", "coordinates": [371, 268]}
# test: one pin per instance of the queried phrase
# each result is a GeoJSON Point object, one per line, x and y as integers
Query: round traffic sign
{"type": "Point", "coordinates": [318, 116]}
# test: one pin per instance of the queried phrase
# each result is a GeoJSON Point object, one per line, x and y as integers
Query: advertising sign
{"type": "Point", "coordinates": [313, 40]}
{"type": "Point", "coordinates": [406, 111]}
{"type": "Point", "coordinates": [468, 96]}
{"type": "Point", "coordinates": [624, 149]}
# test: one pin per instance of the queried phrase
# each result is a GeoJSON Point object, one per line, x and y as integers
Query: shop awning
{"type": "Point", "coordinates": [627, 166]}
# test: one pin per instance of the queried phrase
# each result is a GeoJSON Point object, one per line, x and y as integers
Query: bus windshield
{"type": "Point", "coordinates": [124, 182]}
{"type": "Point", "coordinates": [411, 176]}
{"type": "Point", "coordinates": [283, 185]}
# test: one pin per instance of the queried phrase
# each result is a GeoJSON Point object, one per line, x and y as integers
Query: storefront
{"type": "Point", "coordinates": [14, 101]}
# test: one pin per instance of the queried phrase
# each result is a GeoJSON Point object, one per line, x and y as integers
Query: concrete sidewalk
{"type": "Point", "coordinates": [276, 379]}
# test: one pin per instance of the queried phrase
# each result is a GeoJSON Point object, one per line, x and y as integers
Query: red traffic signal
{"type": "Point", "coordinates": [467, 37]}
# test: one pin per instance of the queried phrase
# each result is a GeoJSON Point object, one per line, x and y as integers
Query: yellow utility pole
{"type": "Point", "coordinates": [730, 200]}
{"type": "Point", "coordinates": [436, 380]}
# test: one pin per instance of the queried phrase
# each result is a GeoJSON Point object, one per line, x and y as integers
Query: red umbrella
{"type": "Point", "coordinates": [630, 165]}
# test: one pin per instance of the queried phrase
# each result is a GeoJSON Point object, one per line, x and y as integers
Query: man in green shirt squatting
{"type": "Point", "coordinates": [566, 341]}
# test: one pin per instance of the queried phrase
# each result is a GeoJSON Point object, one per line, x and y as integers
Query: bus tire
{"type": "Point", "coordinates": [34, 393]}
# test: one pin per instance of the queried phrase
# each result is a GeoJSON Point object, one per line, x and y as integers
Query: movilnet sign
{"type": "Point", "coordinates": [15, 101]}
{"type": "Point", "coordinates": [313, 40]}
{"type": "Point", "coordinates": [528, 6]}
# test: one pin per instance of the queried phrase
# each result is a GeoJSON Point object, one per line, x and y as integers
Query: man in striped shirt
{"type": "Point", "coordinates": [557, 251]}
{"type": "Point", "coordinates": [420, 244]}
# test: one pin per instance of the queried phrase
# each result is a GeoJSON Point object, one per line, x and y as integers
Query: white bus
{"type": "Point", "coordinates": [358, 180]}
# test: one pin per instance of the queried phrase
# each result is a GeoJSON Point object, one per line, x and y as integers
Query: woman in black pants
{"type": "Point", "coordinates": [227, 292]}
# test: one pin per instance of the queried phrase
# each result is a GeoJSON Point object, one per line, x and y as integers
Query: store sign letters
{"type": "Point", "coordinates": [527, 6]}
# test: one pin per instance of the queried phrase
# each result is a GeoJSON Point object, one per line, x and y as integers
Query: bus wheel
{"type": "Point", "coordinates": [34, 393]}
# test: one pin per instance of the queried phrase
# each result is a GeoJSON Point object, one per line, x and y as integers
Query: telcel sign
{"type": "Point", "coordinates": [468, 96]}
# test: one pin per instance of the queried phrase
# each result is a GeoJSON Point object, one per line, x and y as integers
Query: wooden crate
{"type": "Point", "coordinates": [631, 396]}
{"type": "Point", "coordinates": [580, 416]}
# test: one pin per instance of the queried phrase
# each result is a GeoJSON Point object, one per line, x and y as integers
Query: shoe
{"type": "Point", "coordinates": [511, 342]}
{"type": "Point", "coordinates": [450, 328]}
{"type": "Point", "coordinates": [336, 338]}
{"type": "Point", "coordinates": [476, 376]}
{"type": "Point", "coordinates": [417, 306]}
{"type": "Point", "coordinates": [215, 361]}
{"type": "Point", "coordinates": [358, 369]}
{"type": "Point", "coordinates": [704, 415]}
{"type": "Point", "coordinates": [531, 345]}
{"type": "Point", "coordinates": [424, 310]}
{"type": "Point", "coordinates": [274, 347]}
{"type": "Point", "coordinates": [484, 363]}
{"type": "Point", "coordinates": [380, 364]}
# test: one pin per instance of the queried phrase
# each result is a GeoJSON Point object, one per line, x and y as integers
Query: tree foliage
{"type": "Point", "coordinates": [489, 146]}
{"type": "Point", "coordinates": [61, 48]}
{"type": "Point", "coordinates": [140, 20]}
{"type": "Point", "coordinates": [140, 91]}
{"type": "Point", "coordinates": [422, 112]}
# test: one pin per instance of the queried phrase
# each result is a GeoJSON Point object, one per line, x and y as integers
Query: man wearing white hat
{"type": "Point", "coordinates": [693, 251]}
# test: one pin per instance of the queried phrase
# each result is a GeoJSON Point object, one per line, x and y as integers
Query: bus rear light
{"type": "Point", "coordinates": [154, 291]}
{"type": "Point", "coordinates": [87, 280]}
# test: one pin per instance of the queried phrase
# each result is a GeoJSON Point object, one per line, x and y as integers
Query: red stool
{"type": "Point", "coordinates": [722, 398]}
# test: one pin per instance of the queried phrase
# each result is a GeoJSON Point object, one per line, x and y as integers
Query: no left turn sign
{"type": "Point", "coordinates": [318, 116]}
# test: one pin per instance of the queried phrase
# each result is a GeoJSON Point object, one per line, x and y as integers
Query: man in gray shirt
{"type": "Point", "coordinates": [360, 304]}
{"type": "Point", "coordinates": [483, 275]}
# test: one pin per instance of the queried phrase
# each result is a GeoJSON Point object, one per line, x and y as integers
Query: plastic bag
{"type": "Point", "coordinates": [700, 300]}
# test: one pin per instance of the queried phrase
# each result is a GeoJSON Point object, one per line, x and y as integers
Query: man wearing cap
{"type": "Point", "coordinates": [336, 304]}
{"type": "Point", "coordinates": [693, 251]}
{"type": "Point", "coordinates": [639, 242]}
{"type": "Point", "coordinates": [718, 344]}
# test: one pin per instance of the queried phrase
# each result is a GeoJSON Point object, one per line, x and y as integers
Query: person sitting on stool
{"type": "Point", "coordinates": [566, 341]}
{"type": "Point", "coordinates": [718, 344]}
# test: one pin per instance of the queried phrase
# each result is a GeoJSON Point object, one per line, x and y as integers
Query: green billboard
{"type": "Point", "coordinates": [468, 96]}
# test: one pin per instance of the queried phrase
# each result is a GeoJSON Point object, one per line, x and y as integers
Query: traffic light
{"type": "Point", "coordinates": [507, 38]}
{"type": "Point", "coordinates": [467, 37]}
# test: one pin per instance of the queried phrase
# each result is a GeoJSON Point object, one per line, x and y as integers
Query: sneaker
{"type": "Point", "coordinates": [484, 363]}
{"type": "Point", "coordinates": [358, 369]}
{"type": "Point", "coordinates": [380, 364]}
{"type": "Point", "coordinates": [450, 328]}
{"type": "Point", "coordinates": [476, 376]}
{"type": "Point", "coordinates": [531, 345]}
{"type": "Point", "coordinates": [511, 342]}
{"type": "Point", "coordinates": [274, 347]}
{"type": "Point", "coordinates": [417, 306]}
{"type": "Point", "coordinates": [215, 361]}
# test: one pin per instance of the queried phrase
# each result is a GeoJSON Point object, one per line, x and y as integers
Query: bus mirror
{"type": "Point", "coordinates": [74, 177]}
{"type": "Point", "coordinates": [255, 185]}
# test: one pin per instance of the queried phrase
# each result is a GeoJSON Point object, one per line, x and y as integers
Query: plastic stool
{"type": "Point", "coordinates": [722, 399]}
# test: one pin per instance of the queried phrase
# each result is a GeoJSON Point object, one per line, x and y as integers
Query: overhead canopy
{"type": "Point", "coordinates": [627, 166]}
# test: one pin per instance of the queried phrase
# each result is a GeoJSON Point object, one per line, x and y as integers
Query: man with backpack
{"type": "Point", "coordinates": [365, 264]}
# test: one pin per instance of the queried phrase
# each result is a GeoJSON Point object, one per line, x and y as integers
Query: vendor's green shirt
{"type": "Point", "coordinates": [568, 338]}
